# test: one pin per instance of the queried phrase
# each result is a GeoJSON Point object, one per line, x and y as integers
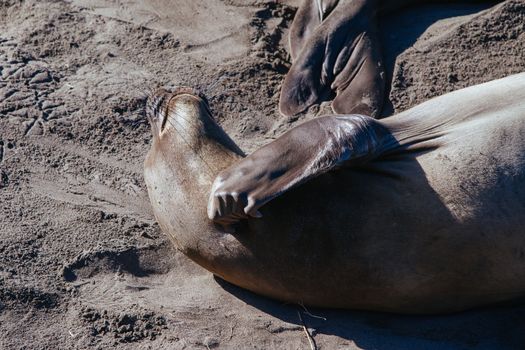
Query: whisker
{"type": "Point", "coordinates": [141, 92]}
{"type": "Point", "coordinates": [153, 125]}
{"type": "Point", "coordinates": [177, 114]}
{"type": "Point", "coordinates": [209, 89]}
{"type": "Point", "coordinates": [150, 111]}
{"type": "Point", "coordinates": [150, 91]}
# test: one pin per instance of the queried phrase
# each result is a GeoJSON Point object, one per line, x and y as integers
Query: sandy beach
{"type": "Point", "coordinates": [83, 264]}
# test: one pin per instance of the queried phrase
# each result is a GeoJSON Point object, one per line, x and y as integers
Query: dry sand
{"type": "Point", "coordinates": [83, 263]}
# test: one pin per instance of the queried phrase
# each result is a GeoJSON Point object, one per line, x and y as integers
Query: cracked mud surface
{"type": "Point", "coordinates": [83, 263]}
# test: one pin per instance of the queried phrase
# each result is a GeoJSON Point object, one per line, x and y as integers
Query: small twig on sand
{"type": "Point", "coordinates": [311, 339]}
{"type": "Point", "coordinates": [310, 314]}
{"type": "Point", "coordinates": [231, 330]}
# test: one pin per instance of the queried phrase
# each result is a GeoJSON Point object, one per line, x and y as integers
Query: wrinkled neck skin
{"type": "Point", "coordinates": [188, 151]}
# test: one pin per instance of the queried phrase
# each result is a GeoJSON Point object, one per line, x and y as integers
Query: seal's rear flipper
{"type": "Point", "coordinates": [308, 17]}
{"type": "Point", "coordinates": [335, 50]}
{"type": "Point", "coordinates": [360, 85]}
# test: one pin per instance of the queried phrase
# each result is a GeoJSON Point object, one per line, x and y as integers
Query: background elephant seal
{"type": "Point", "coordinates": [336, 54]}
{"type": "Point", "coordinates": [422, 212]}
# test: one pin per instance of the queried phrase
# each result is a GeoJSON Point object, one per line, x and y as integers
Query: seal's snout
{"type": "Point", "coordinates": [167, 107]}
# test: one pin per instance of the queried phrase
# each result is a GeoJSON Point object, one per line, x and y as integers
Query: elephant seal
{"type": "Point", "coordinates": [336, 54]}
{"type": "Point", "coordinates": [421, 212]}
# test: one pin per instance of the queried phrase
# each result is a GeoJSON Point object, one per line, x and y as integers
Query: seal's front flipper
{"type": "Point", "coordinates": [303, 153]}
{"type": "Point", "coordinates": [308, 17]}
{"type": "Point", "coordinates": [338, 56]}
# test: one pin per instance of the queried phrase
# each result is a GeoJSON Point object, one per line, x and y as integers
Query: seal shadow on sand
{"type": "Point", "coordinates": [498, 327]}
